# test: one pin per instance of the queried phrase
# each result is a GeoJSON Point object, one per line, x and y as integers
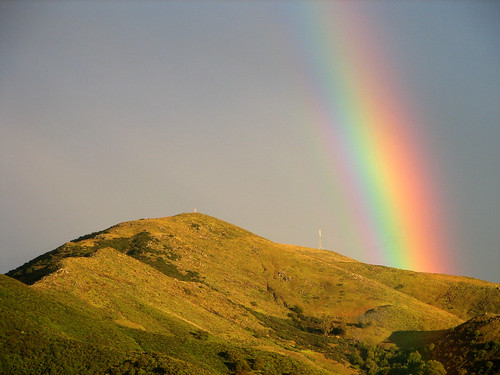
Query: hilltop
{"type": "Point", "coordinates": [201, 294]}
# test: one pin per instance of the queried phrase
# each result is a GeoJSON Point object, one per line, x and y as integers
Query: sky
{"type": "Point", "coordinates": [377, 122]}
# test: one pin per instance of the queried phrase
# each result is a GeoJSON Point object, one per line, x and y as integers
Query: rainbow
{"type": "Point", "coordinates": [369, 138]}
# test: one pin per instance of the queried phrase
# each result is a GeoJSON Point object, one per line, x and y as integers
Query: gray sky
{"type": "Point", "coordinates": [114, 111]}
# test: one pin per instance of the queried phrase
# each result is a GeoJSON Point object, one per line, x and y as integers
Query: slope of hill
{"type": "Point", "coordinates": [192, 278]}
{"type": "Point", "coordinates": [472, 347]}
{"type": "Point", "coordinates": [31, 322]}
{"type": "Point", "coordinates": [464, 297]}
{"type": "Point", "coordinates": [47, 332]}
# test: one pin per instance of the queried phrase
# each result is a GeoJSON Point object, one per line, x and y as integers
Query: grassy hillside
{"type": "Point", "coordinates": [46, 332]}
{"type": "Point", "coordinates": [464, 297]}
{"type": "Point", "coordinates": [194, 288]}
{"type": "Point", "coordinates": [37, 329]}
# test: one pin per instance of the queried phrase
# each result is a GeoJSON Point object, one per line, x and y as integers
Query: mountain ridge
{"type": "Point", "coordinates": [129, 236]}
{"type": "Point", "coordinates": [224, 283]}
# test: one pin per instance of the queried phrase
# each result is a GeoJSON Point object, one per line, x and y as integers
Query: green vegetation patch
{"type": "Point", "coordinates": [142, 246]}
{"type": "Point", "coordinates": [50, 334]}
{"type": "Point", "coordinates": [156, 363]}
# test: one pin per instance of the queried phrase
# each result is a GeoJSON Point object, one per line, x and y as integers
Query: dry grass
{"type": "Point", "coordinates": [193, 270]}
{"type": "Point", "coordinates": [238, 268]}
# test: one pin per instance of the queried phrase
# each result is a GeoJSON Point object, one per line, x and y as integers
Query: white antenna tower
{"type": "Point", "coordinates": [320, 244]}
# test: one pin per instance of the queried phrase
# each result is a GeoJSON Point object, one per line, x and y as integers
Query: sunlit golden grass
{"type": "Point", "coordinates": [238, 268]}
{"type": "Point", "coordinates": [194, 276]}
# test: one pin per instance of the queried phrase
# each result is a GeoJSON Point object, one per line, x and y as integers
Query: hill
{"type": "Point", "coordinates": [196, 289]}
{"type": "Point", "coordinates": [472, 347]}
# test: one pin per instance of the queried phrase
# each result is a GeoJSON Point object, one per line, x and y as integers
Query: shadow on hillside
{"type": "Point", "coordinates": [414, 339]}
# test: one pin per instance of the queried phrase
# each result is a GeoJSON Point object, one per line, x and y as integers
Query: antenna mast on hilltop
{"type": "Point", "coordinates": [320, 244]}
